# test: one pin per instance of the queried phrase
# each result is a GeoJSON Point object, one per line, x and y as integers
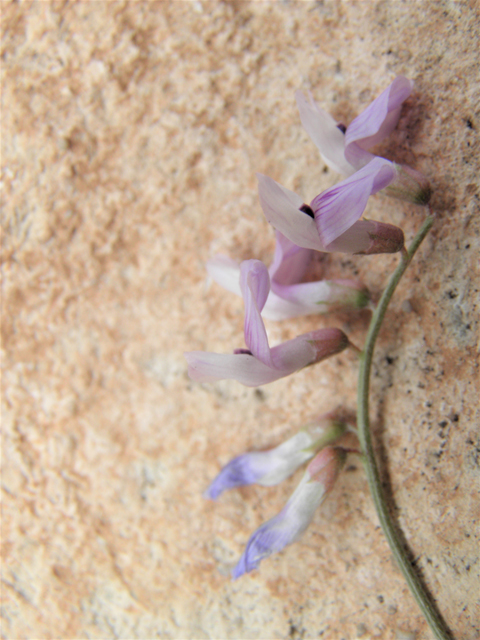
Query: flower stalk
{"type": "Point", "coordinates": [390, 529]}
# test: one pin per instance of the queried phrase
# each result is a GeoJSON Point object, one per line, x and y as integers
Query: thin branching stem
{"type": "Point", "coordinates": [392, 533]}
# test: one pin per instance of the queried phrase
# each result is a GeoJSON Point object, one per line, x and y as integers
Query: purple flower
{"type": "Point", "coordinates": [271, 467]}
{"type": "Point", "coordinates": [286, 211]}
{"type": "Point", "coordinates": [345, 150]}
{"type": "Point", "coordinates": [260, 364]}
{"type": "Point", "coordinates": [289, 298]}
{"type": "Point", "coordinates": [294, 518]}
{"type": "Point", "coordinates": [337, 209]}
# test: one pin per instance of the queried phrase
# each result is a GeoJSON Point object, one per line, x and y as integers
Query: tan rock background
{"type": "Point", "coordinates": [131, 134]}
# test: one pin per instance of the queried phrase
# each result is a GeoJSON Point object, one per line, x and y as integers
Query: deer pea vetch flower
{"type": "Point", "coordinates": [271, 467]}
{"type": "Point", "coordinates": [259, 363]}
{"type": "Point", "coordinates": [286, 211]}
{"type": "Point", "coordinates": [346, 150]}
{"type": "Point", "coordinates": [294, 518]}
{"type": "Point", "coordinates": [288, 297]}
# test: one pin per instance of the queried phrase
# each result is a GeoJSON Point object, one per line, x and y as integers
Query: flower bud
{"type": "Point", "coordinates": [272, 466]}
{"type": "Point", "coordinates": [287, 526]}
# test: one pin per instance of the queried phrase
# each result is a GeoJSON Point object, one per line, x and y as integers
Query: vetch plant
{"type": "Point", "coordinates": [330, 223]}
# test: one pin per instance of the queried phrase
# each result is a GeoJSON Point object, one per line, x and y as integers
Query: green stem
{"type": "Point", "coordinates": [390, 530]}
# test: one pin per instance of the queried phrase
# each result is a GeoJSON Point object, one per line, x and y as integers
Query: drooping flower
{"type": "Point", "coordinates": [294, 518]}
{"type": "Point", "coordinates": [345, 149]}
{"type": "Point", "coordinates": [344, 233]}
{"type": "Point", "coordinates": [259, 363]}
{"type": "Point", "coordinates": [288, 297]}
{"type": "Point", "coordinates": [271, 467]}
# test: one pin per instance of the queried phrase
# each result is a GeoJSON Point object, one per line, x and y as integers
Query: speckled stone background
{"type": "Point", "coordinates": [131, 134]}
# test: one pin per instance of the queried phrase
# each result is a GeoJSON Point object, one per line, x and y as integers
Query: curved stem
{"type": "Point", "coordinates": [390, 530]}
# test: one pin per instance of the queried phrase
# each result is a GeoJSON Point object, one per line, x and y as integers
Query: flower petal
{"type": "Point", "coordinates": [270, 538]}
{"type": "Point", "coordinates": [239, 472]}
{"type": "Point", "coordinates": [380, 117]}
{"type": "Point", "coordinates": [290, 356]}
{"type": "Point", "coordinates": [317, 297]}
{"type": "Point", "coordinates": [339, 207]}
{"type": "Point", "coordinates": [287, 299]}
{"type": "Point", "coordinates": [205, 366]}
{"type": "Point", "coordinates": [296, 300]}
{"type": "Point", "coordinates": [225, 272]}
{"type": "Point", "coordinates": [255, 285]}
{"type": "Point", "coordinates": [279, 205]}
{"type": "Point", "coordinates": [289, 262]}
{"type": "Point", "coordinates": [325, 134]}
{"type": "Point", "coordinates": [282, 209]}
{"type": "Point", "coordinates": [271, 467]}
{"type": "Point", "coordinates": [357, 156]}
{"type": "Point", "coordinates": [308, 348]}
{"type": "Point", "coordinates": [278, 308]}
{"type": "Point", "coordinates": [294, 354]}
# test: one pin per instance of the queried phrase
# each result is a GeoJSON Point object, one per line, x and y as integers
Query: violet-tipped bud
{"type": "Point", "coordinates": [271, 467]}
{"type": "Point", "coordinates": [294, 518]}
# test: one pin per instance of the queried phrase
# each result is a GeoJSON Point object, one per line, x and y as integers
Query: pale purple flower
{"type": "Point", "coordinates": [288, 297]}
{"type": "Point", "coordinates": [345, 150]}
{"type": "Point", "coordinates": [259, 363]}
{"type": "Point", "coordinates": [337, 209]}
{"type": "Point", "coordinates": [271, 467]}
{"type": "Point", "coordinates": [286, 211]}
{"type": "Point", "coordinates": [294, 518]}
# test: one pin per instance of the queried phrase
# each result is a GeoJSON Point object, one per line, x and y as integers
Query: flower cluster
{"type": "Point", "coordinates": [330, 223]}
